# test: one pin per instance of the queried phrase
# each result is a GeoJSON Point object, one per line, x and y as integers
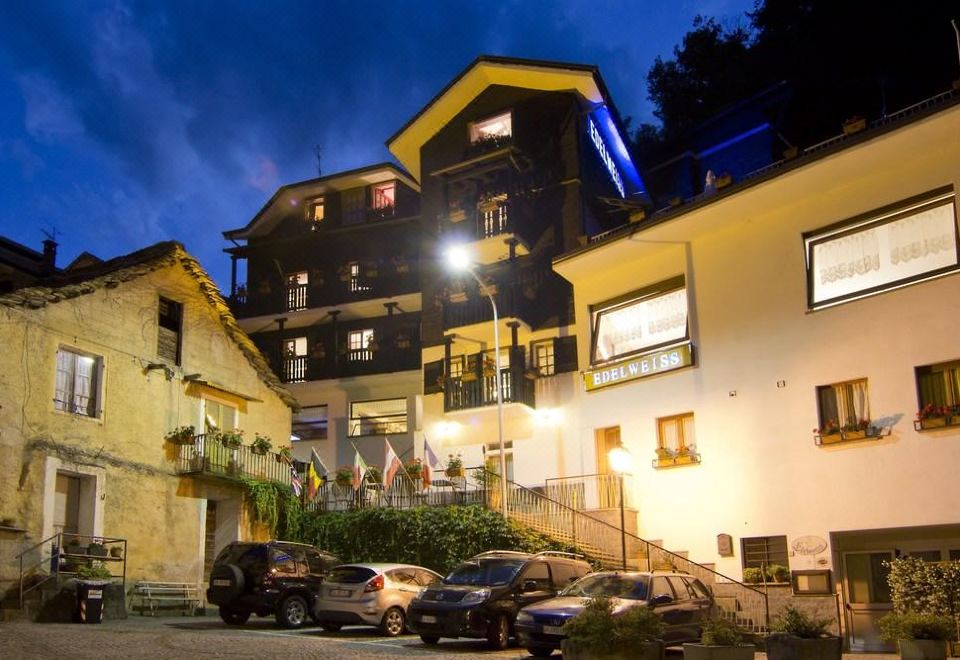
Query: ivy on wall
{"type": "Point", "coordinates": [275, 506]}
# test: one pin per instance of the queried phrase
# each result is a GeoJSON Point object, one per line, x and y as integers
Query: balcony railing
{"type": "Point", "coordinates": [297, 298]}
{"type": "Point", "coordinates": [462, 394]}
{"type": "Point", "coordinates": [295, 369]}
{"type": "Point", "coordinates": [492, 220]}
{"type": "Point", "coordinates": [207, 456]}
{"type": "Point", "coordinates": [589, 491]}
{"type": "Point", "coordinates": [404, 493]}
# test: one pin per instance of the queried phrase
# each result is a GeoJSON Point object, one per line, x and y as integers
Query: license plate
{"type": "Point", "coordinates": [427, 618]}
{"type": "Point", "coordinates": [553, 630]}
{"type": "Point", "coordinates": [221, 583]}
{"type": "Point", "coordinates": [342, 593]}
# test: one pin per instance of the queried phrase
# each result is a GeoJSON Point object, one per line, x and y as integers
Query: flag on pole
{"type": "Point", "coordinates": [317, 475]}
{"type": "Point", "coordinates": [391, 465]}
{"type": "Point", "coordinates": [359, 469]}
{"type": "Point", "coordinates": [429, 464]}
{"type": "Point", "coordinates": [295, 484]}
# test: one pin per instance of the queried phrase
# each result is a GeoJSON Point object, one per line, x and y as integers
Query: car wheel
{"type": "Point", "coordinates": [393, 623]}
{"type": "Point", "coordinates": [233, 617]}
{"type": "Point", "coordinates": [292, 612]}
{"type": "Point", "coordinates": [330, 626]}
{"type": "Point", "coordinates": [540, 651]}
{"type": "Point", "coordinates": [429, 639]}
{"type": "Point", "coordinates": [498, 633]}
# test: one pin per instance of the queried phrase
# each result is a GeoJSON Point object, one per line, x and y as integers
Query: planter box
{"type": "Point", "coordinates": [646, 651]}
{"type": "Point", "coordinates": [788, 647]}
{"type": "Point", "coordinates": [704, 652]}
{"type": "Point", "coordinates": [922, 649]}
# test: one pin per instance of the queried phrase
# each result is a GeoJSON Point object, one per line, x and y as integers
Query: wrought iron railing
{"type": "Point", "coordinates": [297, 297]}
{"type": "Point", "coordinates": [589, 491]}
{"type": "Point", "coordinates": [404, 493]}
{"type": "Point", "coordinates": [295, 369]}
{"type": "Point", "coordinates": [64, 553]}
{"type": "Point", "coordinates": [479, 391]}
{"type": "Point", "coordinates": [209, 456]}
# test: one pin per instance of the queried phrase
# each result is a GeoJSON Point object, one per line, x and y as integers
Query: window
{"type": "Point", "coordinates": [676, 440]}
{"type": "Point", "coordinates": [538, 572]}
{"type": "Point", "coordinates": [315, 211]}
{"type": "Point", "coordinates": [938, 393]}
{"type": "Point", "coordinates": [498, 127]}
{"type": "Point", "coordinates": [310, 423]}
{"type": "Point", "coordinates": [884, 249]}
{"type": "Point", "coordinates": [762, 551]}
{"type": "Point", "coordinates": [360, 345]}
{"type": "Point", "coordinates": [295, 360]}
{"type": "Point", "coordinates": [218, 416]}
{"type": "Point", "coordinates": [843, 407]}
{"type": "Point", "coordinates": [543, 357]}
{"type": "Point", "coordinates": [378, 417]}
{"type": "Point", "coordinates": [647, 319]}
{"type": "Point", "coordinates": [383, 196]}
{"type": "Point", "coordinates": [78, 383]}
{"type": "Point", "coordinates": [491, 457]}
{"type": "Point", "coordinates": [357, 281]}
{"type": "Point", "coordinates": [661, 587]}
{"type": "Point", "coordinates": [456, 366]}
{"type": "Point", "coordinates": [169, 324]}
{"type": "Point", "coordinates": [297, 290]}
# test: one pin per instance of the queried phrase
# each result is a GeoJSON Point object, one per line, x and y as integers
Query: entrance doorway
{"type": "Point", "coordinates": [607, 492]}
{"type": "Point", "coordinates": [868, 598]}
{"type": "Point", "coordinates": [74, 504]}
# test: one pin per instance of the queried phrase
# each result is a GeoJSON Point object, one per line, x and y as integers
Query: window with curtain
{"type": "Point", "coordinates": [938, 385]}
{"type": "Point", "coordinates": [843, 406]}
{"type": "Point", "coordinates": [676, 435]}
{"type": "Point", "coordinates": [78, 383]}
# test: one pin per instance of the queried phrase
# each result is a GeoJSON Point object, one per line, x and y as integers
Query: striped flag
{"type": "Point", "coordinates": [429, 464]}
{"type": "Point", "coordinates": [295, 484]}
{"type": "Point", "coordinates": [391, 465]}
{"type": "Point", "coordinates": [359, 469]}
{"type": "Point", "coordinates": [317, 475]}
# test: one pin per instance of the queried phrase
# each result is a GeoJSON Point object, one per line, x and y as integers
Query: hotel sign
{"type": "Point", "coordinates": [605, 156]}
{"type": "Point", "coordinates": [639, 367]}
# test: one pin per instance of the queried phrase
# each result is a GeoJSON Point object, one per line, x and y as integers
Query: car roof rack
{"type": "Point", "coordinates": [558, 553]}
{"type": "Point", "coordinates": [500, 553]}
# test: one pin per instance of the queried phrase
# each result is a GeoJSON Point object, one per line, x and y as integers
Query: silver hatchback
{"type": "Point", "coordinates": [370, 595]}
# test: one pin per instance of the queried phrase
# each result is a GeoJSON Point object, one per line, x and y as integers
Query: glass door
{"type": "Point", "coordinates": [868, 598]}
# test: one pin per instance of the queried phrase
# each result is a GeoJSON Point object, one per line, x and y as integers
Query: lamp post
{"type": "Point", "coordinates": [620, 460]}
{"type": "Point", "coordinates": [459, 260]}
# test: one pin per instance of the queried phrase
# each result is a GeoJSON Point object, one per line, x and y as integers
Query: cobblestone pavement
{"type": "Point", "coordinates": [208, 637]}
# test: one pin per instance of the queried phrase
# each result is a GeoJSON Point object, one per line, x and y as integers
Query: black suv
{"type": "Point", "coordinates": [481, 597]}
{"type": "Point", "coordinates": [270, 578]}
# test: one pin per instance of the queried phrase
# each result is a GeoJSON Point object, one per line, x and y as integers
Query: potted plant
{"type": "Point", "coordinates": [931, 416]}
{"type": "Point", "coordinates": [721, 640]}
{"type": "Point", "coordinates": [116, 552]}
{"type": "Point", "coordinates": [596, 632]}
{"type": "Point", "coordinates": [454, 466]}
{"type": "Point", "coordinates": [231, 439]}
{"type": "Point", "coordinates": [828, 433]}
{"type": "Point", "coordinates": [344, 476]}
{"type": "Point", "coordinates": [799, 636]}
{"type": "Point", "coordinates": [374, 475]}
{"type": "Point", "coordinates": [753, 575]}
{"type": "Point", "coordinates": [777, 573]}
{"type": "Point", "coordinates": [414, 469]}
{"type": "Point", "coordinates": [284, 455]}
{"type": "Point", "coordinates": [94, 571]}
{"type": "Point", "coordinates": [856, 429]}
{"type": "Point", "coordinates": [919, 636]}
{"type": "Point", "coordinates": [261, 445]}
{"type": "Point", "coordinates": [182, 435]}
{"type": "Point", "coordinates": [97, 549]}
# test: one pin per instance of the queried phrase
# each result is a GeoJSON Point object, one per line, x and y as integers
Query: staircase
{"type": "Point", "coordinates": [603, 544]}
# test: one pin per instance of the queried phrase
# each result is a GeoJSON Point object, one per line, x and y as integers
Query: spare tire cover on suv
{"type": "Point", "coordinates": [226, 583]}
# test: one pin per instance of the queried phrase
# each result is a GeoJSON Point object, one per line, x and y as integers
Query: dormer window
{"type": "Point", "coordinates": [493, 129]}
{"type": "Point", "coordinates": [315, 211]}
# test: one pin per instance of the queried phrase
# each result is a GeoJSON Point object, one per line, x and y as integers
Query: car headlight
{"type": "Point", "coordinates": [524, 617]}
{"type": "Point", "coordinates": [477, 596]}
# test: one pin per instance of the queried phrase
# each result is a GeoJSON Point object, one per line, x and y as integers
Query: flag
{"type": "Point", "coordinates": [317, 475]}
{"type": "Point", "coordinates": [295, 484]}
{"type": "Point", "coordinates": [359, 469]}
{"type": "Point", "coordinates": [391, 464]}
{"type": "Point", "coordinates": [429, 464]}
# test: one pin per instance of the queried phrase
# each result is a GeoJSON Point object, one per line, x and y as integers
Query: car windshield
{"type": "Point", "coordinates": [614, 585]}
{"type": "Point", "coordinates": [350, 574]}
{"type": "Point", "coordinates": [485, 572]}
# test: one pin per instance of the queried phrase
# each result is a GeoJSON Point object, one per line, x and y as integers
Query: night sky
{"type": "Point", "coordinates": [123, 124]}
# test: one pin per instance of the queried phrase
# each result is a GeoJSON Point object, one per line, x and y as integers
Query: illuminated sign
{"type": "Point", "coordinates": [601, 146]}
{"type": "Point", "coordinates": [639, 367]}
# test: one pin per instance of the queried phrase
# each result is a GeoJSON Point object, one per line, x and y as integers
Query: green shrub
{"type": "Point", "coordinates": [95, 570]}
{"type": "Point", "coordinates": [777, 573]}
{"type": "Point", "coordinates": [800, 624]}
{"type": "Point", "coordinates": [753, 575]}
{"type": "Point", "coordinates": [721, 632]}
{"type": "Point", "coordinates": [597, 629]}
{"type": "Point", "coordinates": [914, 625]}
{"type": "Point", "coordinates": [637, 625]}
{"type": "Point", "coordinates": [926, 587]}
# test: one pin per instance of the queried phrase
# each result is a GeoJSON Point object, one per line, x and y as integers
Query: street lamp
{"type": "Point", "coordinates": [621, 462]}
{"type": "Point", "coordinates": [459, 261]}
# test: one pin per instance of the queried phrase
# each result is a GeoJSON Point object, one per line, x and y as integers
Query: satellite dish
{"type": "Point", "coordinates": [809, 545]}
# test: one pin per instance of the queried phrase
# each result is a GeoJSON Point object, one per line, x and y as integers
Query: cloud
{"type": "Point", "coordinates": [265, 176]}
{"type": "Point", "coordinates": [49, 113]}
{"type": "Point", "coordinates": [20, 152]}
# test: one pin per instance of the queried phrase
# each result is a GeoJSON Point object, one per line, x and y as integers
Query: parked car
{"type": "Point", "coordinates": [371, 595]}
{"type": "Point", "coordinates": [680, 599]}
{"type": "Point", "coordinates": [271, 578]}
{"type": "Point", "coordinates": [481, 597]}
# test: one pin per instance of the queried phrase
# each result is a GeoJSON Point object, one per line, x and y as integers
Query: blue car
{"type": "Point", "coordinates": [680, 599]}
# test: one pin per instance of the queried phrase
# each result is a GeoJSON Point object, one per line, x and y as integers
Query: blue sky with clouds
{"type": "Point", "coordinates": [127, 123]}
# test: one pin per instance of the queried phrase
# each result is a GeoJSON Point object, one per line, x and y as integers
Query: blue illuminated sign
{"type": "Point", "coordinates": [605, 156]}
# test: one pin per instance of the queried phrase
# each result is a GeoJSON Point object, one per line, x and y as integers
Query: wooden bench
{"type": "Point", "coordinates": [154, 594]}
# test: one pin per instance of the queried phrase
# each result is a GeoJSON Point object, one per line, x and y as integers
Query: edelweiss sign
{"type": "Point", "coordinates": [601, 146]}
{"type": "Point", "coordinates": [639, 367]}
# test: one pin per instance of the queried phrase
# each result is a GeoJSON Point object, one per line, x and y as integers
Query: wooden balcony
{"type": "Point", "coordinates": [478, 390]}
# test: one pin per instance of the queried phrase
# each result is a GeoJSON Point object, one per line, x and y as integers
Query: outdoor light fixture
{"type": "Point", "coordinates": [458, 259]}
{"type": "Point", "coordinates": [621, 461]}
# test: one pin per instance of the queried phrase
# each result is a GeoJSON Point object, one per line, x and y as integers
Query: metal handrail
{"type": "Point", "coordinates": [57, 552]}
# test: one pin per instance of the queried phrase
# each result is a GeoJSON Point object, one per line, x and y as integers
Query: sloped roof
{"type": "Point", "coordinates": [110, 274]}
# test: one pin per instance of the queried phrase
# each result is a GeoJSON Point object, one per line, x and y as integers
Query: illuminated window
{"type": "Point", "coordinates": [544, 360]}
{"type": "Point", "coordinates": [360, 344]}
{"type": "Point", "coordinates": [297, 290]}
{"type": "Point", "coordinates": [938, 393]}
{"type": "Point", "coordinates": [493, 128]}
{"type": "Point", "coordinates": [378, 417]}
{"type": "Point", "coordinates": [645, 320]}
{"type": "Point", "coordinates": [78, 383]}
{"type": "Point", "coordinates": [491, 457]}
{"type": "Point", "coordinates": [843, 407]}
{"type": "Point", "coordinates": [676, 436]}
{"type": "Point", "coordinates": [357, 281]}
{"type": "Point", "coordinates": [909, 242]}
{"type": "Point", "coordinates": [295, 360]}
{"type": "Point", "coordinates": [310, 423]}
{"type": "Point", "coordinates": [383, 195]}
{"type": "Point", "coordinates": [315, 211]}
{"type": "Point", "coordinates": [456, 366]}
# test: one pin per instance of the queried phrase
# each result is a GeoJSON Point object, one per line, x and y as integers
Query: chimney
{"type": "Point", "coordinates": [49, 256]}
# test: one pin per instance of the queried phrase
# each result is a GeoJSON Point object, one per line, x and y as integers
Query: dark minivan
{"type": "Point", "coordinates": [272, 578]}
{"type": "Point", "coordinates": [481, 597]}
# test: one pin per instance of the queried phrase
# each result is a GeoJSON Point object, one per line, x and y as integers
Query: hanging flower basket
{"type": "Point", "coordinates": [184, 435]}
{"type": "Point", "coordinates": [231, 439]}
{"type": "Point", "coordinates": [261, 445]}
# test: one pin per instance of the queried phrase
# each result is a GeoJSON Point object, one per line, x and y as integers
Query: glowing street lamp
{"type": "Point", "coordinates": [458, 259]}
{"type": "Point", "coordinates": [621, 461]}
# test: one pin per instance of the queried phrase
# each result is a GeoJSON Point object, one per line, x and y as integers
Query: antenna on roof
{"type": "Point", "coordinates": [318, 152]}
{"type": "Point", "coordinates": [51, 234]}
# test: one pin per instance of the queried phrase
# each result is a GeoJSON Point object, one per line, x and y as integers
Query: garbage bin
{"type": "Point", "coordinates": [89, 601]}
